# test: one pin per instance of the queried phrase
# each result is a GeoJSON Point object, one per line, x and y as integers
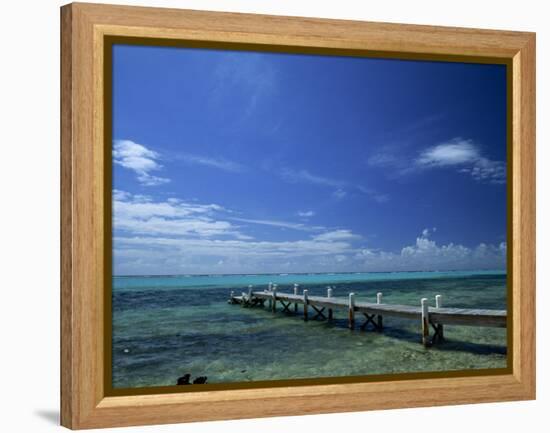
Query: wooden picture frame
{"type": "Point", "coordinates": [85, 222]}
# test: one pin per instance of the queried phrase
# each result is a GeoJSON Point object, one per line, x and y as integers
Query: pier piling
{"type": "Point", "coordinates": [374, 312]}
{"type": "Point", "coordinates": [305, 305]}
{"type": "Point", "coordinates": [329, 295]}
{"type": "Point", "coordinates": [425, 322]}
{"type": "Point", "coordinates": [379, 316]}
{"type": "Point", "coordinates": [438, 337]}
{"type": "Point", "coordinates": [296, 293]}
{"type": "Point", "coordinates": [274, 295]}
{"type": "Point", "coordinates": [351, 311]}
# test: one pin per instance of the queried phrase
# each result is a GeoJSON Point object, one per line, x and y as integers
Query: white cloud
{"type": "Point", "coordinates": [426, 254]}
{"type": "Point", "coordinates": [245, 248]}
{"type": "Point", "coordinates": [140, 215]}
{"type": "Point", "coordinates": [305, 214]}
{"type": "Point", "coordinates": [487, 170]}
{"type": "Point", "coordinates": [339, 194]}
{"type": "Point", "coordinates": [297, 176]}
{"type": "Point", "coordinates": [204, 227]}
{"type": "Point", "coordinates": [341, 187]}
{"type": "Point", "coordinates": [364, 253]}
{"type": "Point", "coordinates": [454, 152]}
{"type": "Point", "coordinates": [382, 160]}
{"type": "Point", "coordinates": [337, 235]}
{"type": "Point", "coordinates": [379, 198]}
{"type": "Point", "coordinates": [459, 154]}
{"type": "Point", "coordinates": [219, 163]}
{"type": "Point", "coordinates": [177, 236]}
{"type": "Point", "coordinates": [282, 224]}
{"type": "Point", "coordinates": [126, 205]}
{"type": "Point", "coordinates": [333, 251]}
{"type": "Point", "coordinates": [254, 80]}
{"type": "Point", "coordinates": [169, 255]}
{"type": "Point", "coordinates": [465, 155]}
{"type": "Point", "coordinates": [394, 161]}
{"type": "Point", "coordinates": [140, 159]}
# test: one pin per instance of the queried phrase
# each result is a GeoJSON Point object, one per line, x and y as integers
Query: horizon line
{"type": "Point", "coordinates": [304, 273]}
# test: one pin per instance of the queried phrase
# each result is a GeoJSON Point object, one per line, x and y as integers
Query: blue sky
{"type": "Point", "coordinates": [240, 162]}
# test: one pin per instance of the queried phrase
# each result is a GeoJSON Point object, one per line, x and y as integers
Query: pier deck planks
{"type": "Point", "coordinates": [447, 316]}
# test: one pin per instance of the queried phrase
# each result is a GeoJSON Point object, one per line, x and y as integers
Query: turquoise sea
{"type": "Point", "coordinates": [166, 326]}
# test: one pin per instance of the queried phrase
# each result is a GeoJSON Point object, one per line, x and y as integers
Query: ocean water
{"type": "Point", "coordinates": [164, 327]}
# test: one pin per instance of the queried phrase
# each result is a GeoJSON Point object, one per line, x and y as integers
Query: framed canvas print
{"type": "Point", "coordinates": [270, 216]}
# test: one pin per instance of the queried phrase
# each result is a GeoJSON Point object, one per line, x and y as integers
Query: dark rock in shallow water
{"type": "Point", "coordinates": [184, 380]}
{"type": "Point", "coordinates": [200, 380]}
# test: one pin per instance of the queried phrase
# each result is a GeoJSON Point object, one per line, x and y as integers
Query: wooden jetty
{"type": "Point", "coordinates": [373, 313]}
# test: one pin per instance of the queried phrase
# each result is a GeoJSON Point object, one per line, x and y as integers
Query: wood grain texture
{"type": "Point", "coordinates": [524, 216]}
{"type": "Point", "coordinates": [84, 26]}
{"type": "Point", "coordinates": [67, 386]}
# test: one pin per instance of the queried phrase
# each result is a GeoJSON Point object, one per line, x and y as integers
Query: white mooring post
{"type": "Point", "coordinates": [351, 311]}
{"type": "Point", "coordinates": [296, 293]}
{"type": "Point", "coordinates": [425, 322]}
{"type": "Point", "coordinates": [305, 305]}
{"type": "Point", "coordinates": [439, 304]}
{"type": "Point", "coordinates": [379, 317]}
{"type": "Point", "coordinates": [329, 295]}
{"type": "Point", "coordinates": [270, 301]}
{"type": "Point", "coordinates": [274, 306]}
